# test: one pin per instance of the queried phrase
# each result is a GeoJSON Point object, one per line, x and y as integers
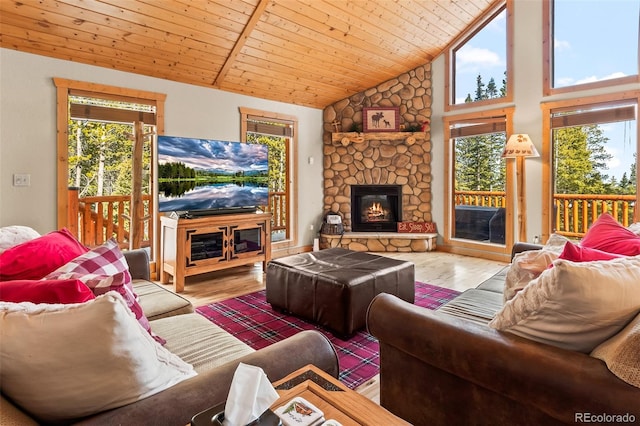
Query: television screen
{"type": "Point", "coordinates": [204, 174]}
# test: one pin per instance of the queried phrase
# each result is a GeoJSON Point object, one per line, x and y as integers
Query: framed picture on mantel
{"type": "Point", "coordinates": [381, 119]}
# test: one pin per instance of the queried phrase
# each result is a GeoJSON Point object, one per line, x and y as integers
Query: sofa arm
{"type": "Point", "coordinates": [178, 404]}
{"type": "Point", "coordinates": [496, 378]}
{"type": "Point", "coordinates": [520, 247]}
{"type": "Point", "coordinates": [138, 260]}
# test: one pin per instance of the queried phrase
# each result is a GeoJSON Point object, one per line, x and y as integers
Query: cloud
{"type": "Point", "coordinates": [613, 162]}
{"type": "Point", "coordinates": [561, 45]}
{"type": "Point", "coordinates": [570, 81]}
{"type": "Point", "coordinates": [591, 79]}
{"type": "Point", "coordinates": [471, 58]}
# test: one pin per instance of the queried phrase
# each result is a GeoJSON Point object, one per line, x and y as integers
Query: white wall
{"type": "Point", "coordinates": [528, 63]}
{"type": "Point", "coordinates": [28, 132]}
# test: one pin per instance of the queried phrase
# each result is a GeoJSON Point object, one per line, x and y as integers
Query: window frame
{"type": "Point", "coordinates": [548, 64]}
{"type": "Point", "coordinates": [469, 247]}
{"type": "Point", "coordinates": [548, 109]}
{"type": "Point", "coordinates": [292, 171]}
{"type": "Point", "coordinates": [64, 88]}
{"type": "Point", "coordinates": [475, 27]}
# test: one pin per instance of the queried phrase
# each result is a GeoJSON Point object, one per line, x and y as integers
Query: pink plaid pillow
{"type": "Point", "coordinates": [105, 269]}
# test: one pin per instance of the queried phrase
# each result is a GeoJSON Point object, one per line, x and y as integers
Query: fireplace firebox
{"type": "Point", "coordinates": [376, 208]}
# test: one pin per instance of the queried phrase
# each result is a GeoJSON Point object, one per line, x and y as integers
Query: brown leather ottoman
{"type": "Point", "coordinates": [333, 287]}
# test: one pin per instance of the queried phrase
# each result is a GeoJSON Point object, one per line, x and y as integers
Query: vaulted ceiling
{"type": "Point", "coordinates": [305, 52]}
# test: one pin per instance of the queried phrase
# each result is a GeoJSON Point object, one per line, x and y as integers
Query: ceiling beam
{"type": "Point", "coordinates": [248, 29]}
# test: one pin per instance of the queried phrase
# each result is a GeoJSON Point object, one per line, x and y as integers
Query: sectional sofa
{"type": "Point", "coordinates": [461, 364]}
{"type": "Point", "coordinates": [212, 353]}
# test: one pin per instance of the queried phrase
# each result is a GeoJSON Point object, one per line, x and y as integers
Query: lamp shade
{"type": "Point", "coordinates": [519, 145]}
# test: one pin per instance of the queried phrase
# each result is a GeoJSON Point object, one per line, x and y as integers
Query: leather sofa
{"type": "Point", "coordinates": [214, 354]}
{"type": "Point", "coordinates": [449, 367]}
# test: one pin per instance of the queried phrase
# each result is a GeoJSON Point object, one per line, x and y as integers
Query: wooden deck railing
{"type": "Point", "coordinates": [573, 212]}
{"type": "Point", "coordinates": [278, 210]}
{"type": "Point", "coordinates": [96, 219]}
{"type": "Point", "coordinates": [481, 198]}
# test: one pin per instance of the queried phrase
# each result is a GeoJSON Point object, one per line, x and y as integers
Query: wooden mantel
{"type": "Point", "coordinates": [345, 138]}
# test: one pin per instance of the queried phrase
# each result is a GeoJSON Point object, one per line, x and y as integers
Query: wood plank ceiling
{"type": "Point", "coordinates": [305, 52]}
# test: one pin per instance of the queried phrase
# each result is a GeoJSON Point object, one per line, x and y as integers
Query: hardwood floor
{"type": "Point", "coordinates": [444, 269]}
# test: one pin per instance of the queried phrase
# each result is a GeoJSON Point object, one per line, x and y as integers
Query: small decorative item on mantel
{"type": "Point", "coordinates": [417, 227]}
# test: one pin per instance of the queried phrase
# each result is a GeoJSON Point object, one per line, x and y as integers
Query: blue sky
{"type": "Point", "coordinates": [580, 35]}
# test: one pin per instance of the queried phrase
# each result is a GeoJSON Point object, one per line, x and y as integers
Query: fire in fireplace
{"type": "Point", "coordinates": [376, 207]}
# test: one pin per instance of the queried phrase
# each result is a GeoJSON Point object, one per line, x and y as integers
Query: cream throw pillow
{"type": "Point", "coordinates": [528, 265]}
{"type": "Point", "coordinates": [575, 306]}
{"type": "Point", "coordinates": [621, 353]}
{"type": "Point", "coordinates": [61, 362]}
{"type": "Point", "coordinates": [525, 267]}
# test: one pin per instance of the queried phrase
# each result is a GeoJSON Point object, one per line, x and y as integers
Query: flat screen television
{"type": "Point", "coordinates": [205, 176]}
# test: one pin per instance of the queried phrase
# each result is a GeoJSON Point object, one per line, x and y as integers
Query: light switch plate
{"type": "Point", "coordinates": [21, 179]}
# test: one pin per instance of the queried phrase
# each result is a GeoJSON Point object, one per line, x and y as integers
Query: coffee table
{"type": "Point", "coordinates": [334, 287]}
{"type": "Point", "coordinates": [333, 398]}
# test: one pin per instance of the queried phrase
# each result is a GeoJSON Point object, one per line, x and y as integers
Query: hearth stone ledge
{"type": "Point", "coordinates": [380, 241]}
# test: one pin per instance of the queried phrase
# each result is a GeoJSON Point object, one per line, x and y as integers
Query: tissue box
{"type": "Point", "coordinates": [299, 412]}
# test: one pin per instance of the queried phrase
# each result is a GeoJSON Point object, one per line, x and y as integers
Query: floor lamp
{"type": "Point", "coordinates": [520, 146]}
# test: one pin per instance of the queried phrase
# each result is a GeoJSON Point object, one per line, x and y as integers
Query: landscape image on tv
{"type": "Point", "coordinates": [205, 174]}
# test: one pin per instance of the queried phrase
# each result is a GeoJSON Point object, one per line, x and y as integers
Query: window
{"type": "Point", "coordinates": [279, 132]}
{"type": "Point", "coordinates": [592, 147]}
{"type": "Point", "coordinates": [479, 64]}
{"type": "Point", "coordinates": [104, 176]}
{"type": "Point", "coordinates": [587, 50]}
{"type": "Point", "coordinates": [479, 207]}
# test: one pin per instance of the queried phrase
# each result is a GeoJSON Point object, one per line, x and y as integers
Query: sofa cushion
{"type": "Point", "coordinates": [36, 258]}
{"type": "Point", "coordinates": [45, 291]}
{"type": "Point", "coordinates": [158, 302]}
{"type": "Point", "coordinates": [104, 269]}
{"type": "Point", "coordinates": [608, 235]}
{"type": "Point", "coordinates": [496, 282]}
{"type": "Point", "coordinates": [620, 353]}
{"type": "Point", "coordinates": [62, 362]}
{"type": "Point", "coordinates": [199, 342]}
{"type": "Point", "coordinates": [575, 306]}
{"type": "Point", "coordinates": [475, 305]}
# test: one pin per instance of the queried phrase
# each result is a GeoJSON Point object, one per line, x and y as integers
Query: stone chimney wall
{"type": "Point", "coordinates": [398, 158]}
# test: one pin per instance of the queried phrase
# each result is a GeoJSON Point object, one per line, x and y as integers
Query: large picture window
{"type": "Point", "coordinates": [479, 209]}
{"type": "Point", "coordinates": [279, 133]}
{"type": "Point", "coordinates": [587, 50]}
{"type": "Point", "coordinates": [479, 63]}
{"type": "Point", "coordinates": [593, 149]}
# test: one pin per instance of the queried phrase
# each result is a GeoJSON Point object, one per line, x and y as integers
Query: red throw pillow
{"type": "Point", "coordinates": [45, 291]}
{"type": "Point", "coordinates": [104, 269]}
{"type": "Point", "coordinates": [36, 258]}
{"type": "Point", "coordinates": [608, 235]}
{"type": "Point", "coordinates": [576, 253]}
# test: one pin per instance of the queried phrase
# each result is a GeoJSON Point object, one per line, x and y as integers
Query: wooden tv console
{"type": "Point", "coordinates": [205, 244]}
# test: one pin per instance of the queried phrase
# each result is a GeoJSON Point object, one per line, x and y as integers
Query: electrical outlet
{"type": "Point", "coordinates": [21, 179]}
{"type": "Point", "coordinates": [310, 227]}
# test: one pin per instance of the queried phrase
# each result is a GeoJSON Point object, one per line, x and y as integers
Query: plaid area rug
{"type": "Point", "coordinates": [251, 319]}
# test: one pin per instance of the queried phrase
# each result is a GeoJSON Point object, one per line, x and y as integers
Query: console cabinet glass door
{"type": "Point", "coordinates": [206, 246]}
{"type": "Point", "coordinates": [247, 241]}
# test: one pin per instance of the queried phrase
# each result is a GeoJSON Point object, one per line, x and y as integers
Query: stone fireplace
{"type": "Point", "coordinates": [376, 208]}
{"type": "Point", "coordinates": [402, 159]}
